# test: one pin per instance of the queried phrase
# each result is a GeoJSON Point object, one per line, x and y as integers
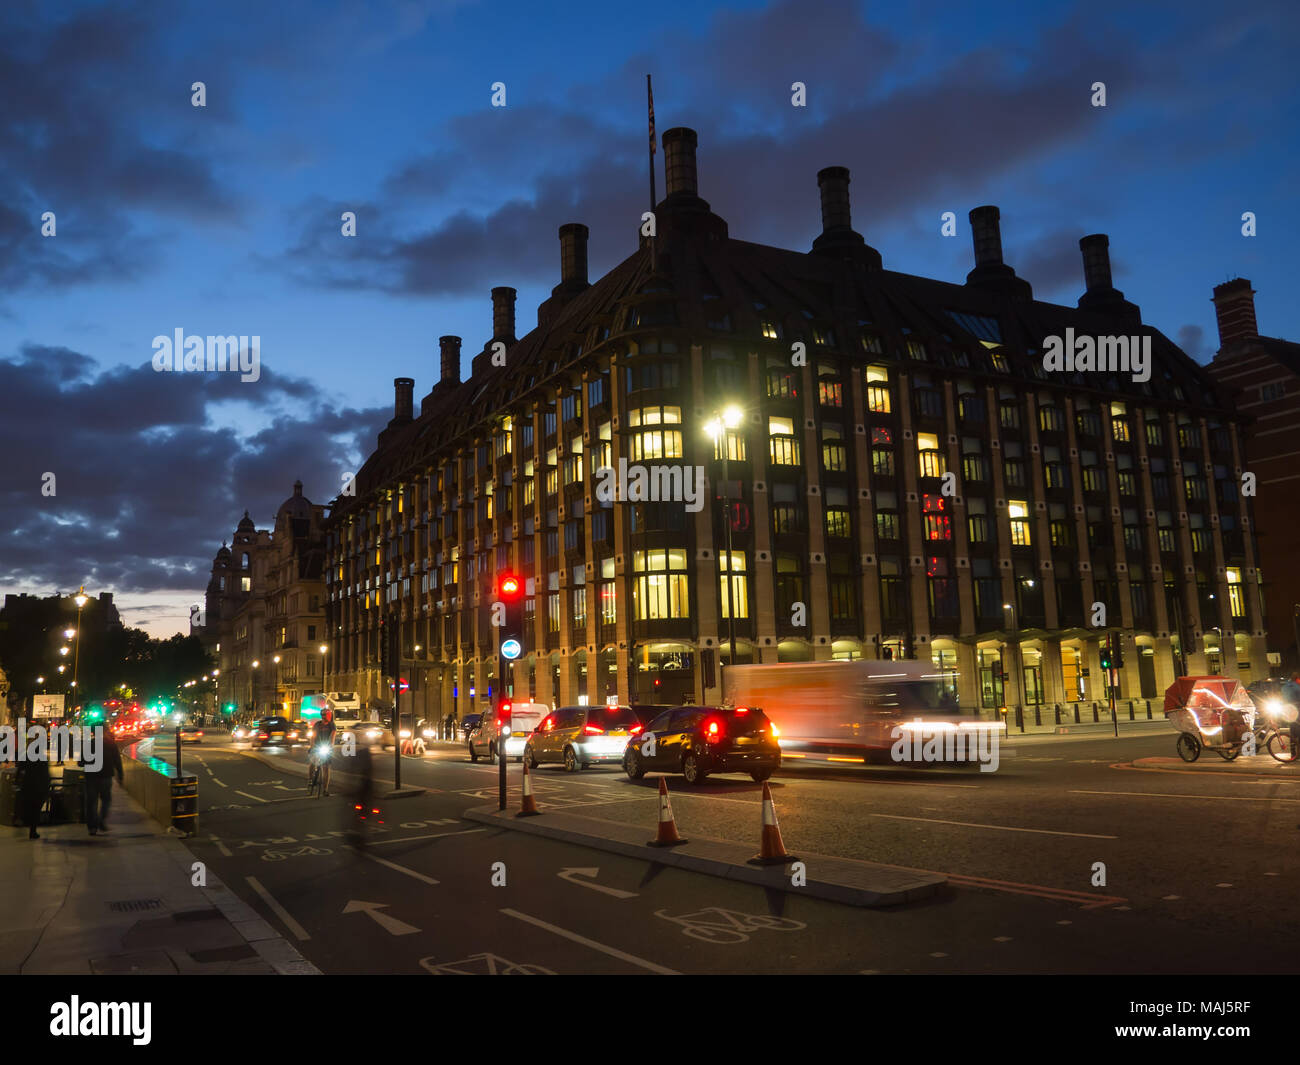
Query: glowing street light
{"type": "Point", "coordinates": [726, 419]}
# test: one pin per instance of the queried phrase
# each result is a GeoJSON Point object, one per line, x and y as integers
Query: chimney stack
{"type": "Point", "coordinates": [1234, 306]}
{"type": "Point", "coordinates": [990, 271]}
{"type": "Point", "coordinates": [1096, 262]}
{"type": "Point", "coordinates": [987, 234]}
{"type": "Point", "coordinates": [404, 398]}
{"type": "Point", "coordinates": [679, 161]}
{"type": "Point", "coordinates": [573, 255]}
{"type": "Point", "coordinates": [450, 347]}
{"type": "Point", "coordinates": [503, 314]}
{"type": "Point", "coordinates": [837, 236]}
{"type": "Point", "coordinates": [833, 181]}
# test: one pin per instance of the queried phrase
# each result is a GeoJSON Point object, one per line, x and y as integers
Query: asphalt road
{"type": "Point", "coordinates": [1201, 867]}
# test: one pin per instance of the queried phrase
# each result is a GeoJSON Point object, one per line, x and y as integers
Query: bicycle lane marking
{"type": "Point", "coordinates": [574, 937]}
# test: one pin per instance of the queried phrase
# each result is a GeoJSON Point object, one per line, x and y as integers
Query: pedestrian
{"type": "Point", "coordinates": [99, 781]}
{"type": "Point", "coordinates": [33, 792]}
{"type": "Point", "coordinates": [1290, 693]}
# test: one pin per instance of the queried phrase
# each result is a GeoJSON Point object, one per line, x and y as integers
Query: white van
{"type": "Point", "coordinates": [524, 719]}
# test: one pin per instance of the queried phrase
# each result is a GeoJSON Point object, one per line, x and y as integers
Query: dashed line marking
{"type": "Point", "coordinates": [220, 846]}
{"type": "Point", "coordinates": [999, 828]}
{"type": "Point", "coordinates": [246, 795]}
{"type": "Point", "coordinates": [613, 952]}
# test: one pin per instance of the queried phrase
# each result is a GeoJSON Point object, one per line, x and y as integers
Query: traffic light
{"type": "Point", "coordinates": [508, 615]}
{"type": "Point", "coordinates": [1106, 662]}
{"type": "Point", "coordinates": [228, 708]}
{"type": "Point", "coordinates": [503, 718]}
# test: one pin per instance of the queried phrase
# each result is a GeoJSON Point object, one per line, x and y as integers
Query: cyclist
{"type": "Point", "coordinates": [1290, 693]}
{"type": "Point", "coordinates": [324, 736]}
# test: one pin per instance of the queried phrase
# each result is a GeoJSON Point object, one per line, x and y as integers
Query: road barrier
{"type": "Point", "coordinates": [170, 798]}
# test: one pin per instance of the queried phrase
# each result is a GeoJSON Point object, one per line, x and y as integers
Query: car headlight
{"type": "Point", "coordinates": [1273, 706]}
{"type": "Point", "coordinates": [405, 733]}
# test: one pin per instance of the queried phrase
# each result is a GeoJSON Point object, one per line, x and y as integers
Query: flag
{"type": "Point", "coordinates": [650, 96]}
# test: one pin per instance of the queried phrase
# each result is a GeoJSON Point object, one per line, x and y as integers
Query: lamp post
{"type": "Point", "coordinates": [723, 421]}
{"type": "Point", "coordinates": [80, 599]}
{"type": "Point", "coordinates": [251, 705]}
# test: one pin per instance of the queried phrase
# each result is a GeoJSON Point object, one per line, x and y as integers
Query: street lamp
{"type": "Point", "coordinates": [251, 705]}
{"type": "Point", "coordinates": [717, 428]}
{"type": "Point", "coordinates": [1015, 630]}
{"type": "Point", "coordinates": [81, 598]}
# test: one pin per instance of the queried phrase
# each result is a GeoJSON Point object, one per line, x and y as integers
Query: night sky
{"type": "Point", "coordinates": [226, 219]}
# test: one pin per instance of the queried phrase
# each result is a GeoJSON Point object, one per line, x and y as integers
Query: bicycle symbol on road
{"type": "Point", "coordinates": [482, 965]}
{"type": "Point", "coordinates": [716, 925]}
{"type": "Point", "coordinates": [279, 856]}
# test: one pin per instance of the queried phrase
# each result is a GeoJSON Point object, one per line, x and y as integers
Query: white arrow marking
{"type": "Point", "coordinates": [571, 876]}
{"type": "Point", "coordinates": [389, 924]}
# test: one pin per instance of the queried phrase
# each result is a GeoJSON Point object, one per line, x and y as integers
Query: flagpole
{"type": "Point", "coordinates": [650, 107]}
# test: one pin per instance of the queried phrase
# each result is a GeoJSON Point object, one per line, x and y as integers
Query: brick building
{"type": "Point", "coordinates": [862, 390]}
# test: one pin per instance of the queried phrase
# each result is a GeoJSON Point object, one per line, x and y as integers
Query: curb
{"type": "Point", "coordinates": [889, 886]}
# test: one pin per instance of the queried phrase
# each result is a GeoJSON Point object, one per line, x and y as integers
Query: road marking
{"type": "Point", "coordinates": [571, 876]}
{"type": "Point", "coordinates": [1086, 900]}
{"type": "Point", "coordinates": [393, 865]}
{"type": "Point", "coordinates": [388, 923]}
{"type": "Point", "coordinates": [255, 798]}
{"type": "Point", "coordinates": [220, 846]}
{"type": "Point", "coordinates": [613, 952]}
{"type": "Point", "coordinates": [280, 911]}
{"type": "Point", "coordinates": [1000, 828]}
{"type": "Point", "coordinates": [1176, 795]}
{"type": "Point", "coordinates": [435, 835]}
{"type": "Point", "coordinates": [221, 782]}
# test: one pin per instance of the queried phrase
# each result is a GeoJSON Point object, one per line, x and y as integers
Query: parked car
{"type": "Point", "coordinates": [190, 734]}
{"type": "Point", "coordinates": [578, 736]}
{"type": "Point", "coordinates": [698, 741]}
{"type": "Point", "coordinates": [486, 739]}
{"type": "Point", "coordinates": [469, 724]}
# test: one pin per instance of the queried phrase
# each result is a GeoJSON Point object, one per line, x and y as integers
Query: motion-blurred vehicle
{"type": "Point", "coordinates": [469, 724]}
{"type": "Point", "coordinates": [365, 734]}
{"type": "Point", "coordinates": [244, 733]}
{"type": "Point", "coordinates": [190, 734]}
{"type": "Point", "coordinates": [579, 736]}
{"type": "Point", "coordinates": [832, 711]}
{"type": "Point", "coordinates": [698, 741]}
{"type": "Point", "coordinates": [274, 732]}
{"type": "Point", "coordinates": [487, 739]}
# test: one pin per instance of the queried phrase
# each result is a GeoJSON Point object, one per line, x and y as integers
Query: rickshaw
{"type": "Point", "coordinates": [1210, 713]}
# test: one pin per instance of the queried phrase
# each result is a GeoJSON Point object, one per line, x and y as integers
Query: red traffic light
{"type": "Point", "coordinates": [510, 586]}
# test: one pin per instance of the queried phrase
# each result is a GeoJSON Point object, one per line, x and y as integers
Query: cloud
{"type": "Point", "coordinates": [147, 486]}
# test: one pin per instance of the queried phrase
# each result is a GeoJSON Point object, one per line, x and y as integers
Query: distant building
{"type": "Point", "coordinates": [265, 612]}
{"type": "Point", "coordinates": [909, 479]}
{"type": "Point", "coordinates": [1265, 374]}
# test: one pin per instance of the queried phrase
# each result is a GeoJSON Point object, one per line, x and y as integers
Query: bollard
{"type": "Point", "coordinates": [1038, 714]}
{"type": "Point", "coordinates": [1148, 709]}
{"type": "Point", "coordinates": [1076, 713]}
{"type": "Point", "coordinates": [1020, 717]}
{"type": "Point", "coordinates": [1095, 717]}
{"type": "Point", "coordinates": [1130, 709]}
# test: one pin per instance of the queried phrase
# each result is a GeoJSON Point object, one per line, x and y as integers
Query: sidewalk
{"type": "Point", "coordinates": [123, 904]}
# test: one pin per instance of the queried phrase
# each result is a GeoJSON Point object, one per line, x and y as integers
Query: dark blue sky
{"type": "Point", "coordinates": [226, 219]}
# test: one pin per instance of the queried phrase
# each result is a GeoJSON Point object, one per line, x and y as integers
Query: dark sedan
{"type": "Point", "coordinates": [698, 741]}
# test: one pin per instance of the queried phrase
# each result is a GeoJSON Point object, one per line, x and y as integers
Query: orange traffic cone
{"type": "Point", "coordinates": [772, 851]}
{"type": "Point", "coordinates": [528, 808]}
{"type": "Point", "coordinates": [668, 836]}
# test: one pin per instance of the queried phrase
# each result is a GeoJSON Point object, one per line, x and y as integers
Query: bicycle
{"type": "Point", "coordinates": [1281, 747]}
{"type": "Point", "coordinates": [317, 775]}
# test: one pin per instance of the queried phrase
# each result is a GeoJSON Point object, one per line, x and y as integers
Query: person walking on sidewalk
{"type": "Point", "coordinates": [99, 782]}
{"type": "Point", "coordinates": [33, 792]}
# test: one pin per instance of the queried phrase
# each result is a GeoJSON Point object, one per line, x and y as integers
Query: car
{"type": "Point", "coordinates": [190, 734]}
{"type": "Point", "coordinates": [365, 733]}
{"type": "Point", "coordinates": [580, 736]}
{"type": "Point", "coordinates": [647, 712]}
{"type": "Point", "coordinates": [244, 733]}
{"type": "Point", "coordinates": [274, 732]}
{"type": "Point", "coordinates": [698, 741]}
{"type": "Point", "coordinates": [486, 739]}
{"type": "Point", "coordinates": [469, 724]}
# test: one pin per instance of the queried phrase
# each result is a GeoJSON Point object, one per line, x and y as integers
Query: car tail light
{"type": "Point", "coordinates": [713, 731]}
{"type": "Point", "coordinates": [635, 729]}
{"type": "Point", "coordinates": [263, 736]}
{"type": "Point", "coordinates": [200, 732]}
{"type": "Point", "coordinates": [742, 709]}
{"type": "Point", "coordinates": [593, 730]}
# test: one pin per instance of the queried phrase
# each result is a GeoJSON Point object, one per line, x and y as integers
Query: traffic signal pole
{"type": "Point", "coordinates": [501, 726]}
{"type": "Point", "coordinates": [1110, 656]}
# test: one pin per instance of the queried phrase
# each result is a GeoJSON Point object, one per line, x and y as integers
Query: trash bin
{"type": "Point", "coordinates": [68, 796]}
{"type": "Point", "coordinates": [185, 804]}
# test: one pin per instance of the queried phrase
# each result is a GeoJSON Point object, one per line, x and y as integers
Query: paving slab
{"type": "Point", "coordinates": [125, 902]}
{"type": "Point", "coordinates": [845, 880]}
